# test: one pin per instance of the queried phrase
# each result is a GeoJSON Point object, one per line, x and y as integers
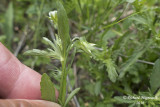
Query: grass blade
{"type": "Point", "coordinates": [71, 95]}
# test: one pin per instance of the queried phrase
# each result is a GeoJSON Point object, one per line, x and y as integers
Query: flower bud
{"type": "Point", "coordinates": [53, 17]}
{"type": "Point", "coordinates": [53, 14]}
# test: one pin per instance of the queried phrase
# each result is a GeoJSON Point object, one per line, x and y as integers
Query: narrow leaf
{"type": "Point", "coordinates": [121, 41]}
{"type": "Point", "coordinates": [119, 45]}
{"type": "Point", "coordinates": [124, 99]}
{"type": "Point", "coordinates": [48, 42]}
{"type": "Point", "coordinates": [36, 52]}
{"type": "Point", "coordinates": [97, 88]}
{"type": "Point", "coordinates": [154, 78]}
{"type": "Point", "coordinates": [71, 95]}
{"type": "Point", "coordinates": [69, 5]}
{"type": "Point", "coordinates": [8, 24]}
{"type": "Point", "coordinates": [47, 89]}
{"type": "Point", "coordinates": [136, 54]}
{"type": "Point", "coordinates": [112, 73]}
{"type": "Point", "coordinates": [63, 24]}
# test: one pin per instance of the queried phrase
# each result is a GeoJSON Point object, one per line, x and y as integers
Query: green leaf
{"type": "Point", "coordinates": [69, 5]}
{"type": "Point", "coordinates": [8, 24]}
{"type": "Point", "coordinates": [56, 53]}
{"type": "Point", "coordinates": [97, 87]}
{"type": "Point", "coordinates": [124, 99]}
{"type": "Point", "coordinates": [71, 95]}
{"type": "Point", "coordinates": [136, 54]}
{"type": "Point", "coordinates": [112, 73]}
{"type": "Point", "coordinates": [121, 41]}
{"type": "Point", "coordinates": [47, 54]}
{"type": "Point", "coordinates": [154, 78]}
{"type": "Point", "coordinates": [63, 25]}
{"type": "Point", "coordinates": [120, 44]}
{"type": "Point", "coordinates": [48, 42]}
{"type": "Point", "coordinates": [47, 89]}
{"type": "Point", "coordinates": [36, 52]}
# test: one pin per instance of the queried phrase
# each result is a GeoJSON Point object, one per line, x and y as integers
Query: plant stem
{"type": "Point", "coordinates": [63, 82]}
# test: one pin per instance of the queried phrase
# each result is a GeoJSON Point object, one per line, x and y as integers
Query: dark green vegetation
{"type": "Point", "coordinates": [122, 69]}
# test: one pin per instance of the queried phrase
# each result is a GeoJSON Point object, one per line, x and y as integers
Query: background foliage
{"type": "Point", "coordinates": [124, 62]}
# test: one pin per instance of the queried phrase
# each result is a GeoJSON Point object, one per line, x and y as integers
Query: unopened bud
{"type": "Point", "coordinates": [53, 17]}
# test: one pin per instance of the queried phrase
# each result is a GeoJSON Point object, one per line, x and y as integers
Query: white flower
{"type": "Point", "coordinates": [53, 14]}
{"type": "Point", "coordinates": [53, 18]}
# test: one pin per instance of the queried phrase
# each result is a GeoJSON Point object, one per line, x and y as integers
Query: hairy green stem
{"type": "Point", "coordinates": [63, 82]}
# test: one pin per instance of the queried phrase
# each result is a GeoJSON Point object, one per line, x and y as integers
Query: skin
{"type": "Point", "coordinates": [19, 84]}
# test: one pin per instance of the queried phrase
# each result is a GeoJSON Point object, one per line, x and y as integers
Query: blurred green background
{"type": "Point", "coordinates": [127, 29]}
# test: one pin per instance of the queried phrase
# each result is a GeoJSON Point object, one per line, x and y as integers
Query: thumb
{"type": "Point", "coordinates": [26, 103]}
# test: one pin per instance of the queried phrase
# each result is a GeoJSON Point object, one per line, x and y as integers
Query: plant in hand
{"type": "Point", "coordinates": [59, 49]}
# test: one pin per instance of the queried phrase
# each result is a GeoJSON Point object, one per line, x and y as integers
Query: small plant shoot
{"type": "Point", "coordinates": [59, 49]}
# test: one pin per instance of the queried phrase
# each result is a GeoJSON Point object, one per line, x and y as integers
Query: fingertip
{"type": "Point", "coordinates": [27, 103]}
{"type": "Point", "coordinates": [4, 55]}
{"type": "Point", "coordinates": [9, 70]}
{"type": "Point", "coordinates": [43, 103]}
{"type": "Point", "coordinates": [31, 89]}
{"type": "Point", "coordinates": [22, 82]}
